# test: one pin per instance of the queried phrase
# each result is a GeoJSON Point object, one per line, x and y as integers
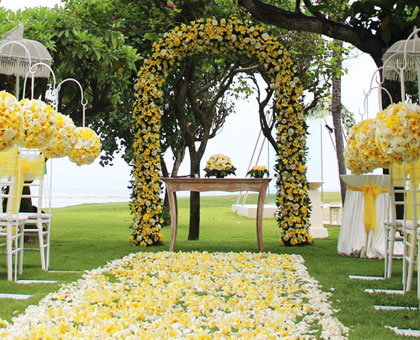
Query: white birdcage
{"type": "Point", "coordinates": [17, 55]}
{"type": "Point", "coordinates": [401, 62]}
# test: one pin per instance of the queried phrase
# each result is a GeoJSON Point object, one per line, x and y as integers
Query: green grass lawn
{"type": "Point", "coordinates": [88, 236]}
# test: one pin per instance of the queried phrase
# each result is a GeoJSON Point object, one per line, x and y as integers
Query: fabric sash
{"type": "Point", "coordinates": [370, 193]}
{"type": "Point", "coordinates": [413, 175]}
{"type": "Point", "coordinates": [29, 170]}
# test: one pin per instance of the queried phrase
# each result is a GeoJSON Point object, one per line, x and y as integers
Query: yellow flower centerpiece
{"type": "Point", "coordinates": [258, 171]}
{"type": "Point", "coordinates": [398, 132]}
{"type": "Point", "coordinates": [63, 140]}
{"type": "Point", "coordinates": [219, 166]}
{"type": "Point", "coordinates": [39, 123]}
{"type": "Point", "coordinates": [11, 118]}
{"type": "Point", "coordinates": [87, 147]}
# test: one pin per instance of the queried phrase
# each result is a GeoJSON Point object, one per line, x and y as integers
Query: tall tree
{"type": "Point", "coordinates": [336, 115]}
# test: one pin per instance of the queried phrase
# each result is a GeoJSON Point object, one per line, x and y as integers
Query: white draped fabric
{"type": "Point", "coordinates": [354, 239]}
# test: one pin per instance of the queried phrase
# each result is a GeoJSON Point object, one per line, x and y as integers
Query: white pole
{"type": "Point", "coordinates": [322, 163]}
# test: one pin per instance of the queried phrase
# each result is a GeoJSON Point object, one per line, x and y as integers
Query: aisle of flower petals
{"type": "Point", "coordinates": [186, 296]}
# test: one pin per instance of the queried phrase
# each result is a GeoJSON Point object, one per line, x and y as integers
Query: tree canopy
{"type": "Point", "coordinates": [370, 25]}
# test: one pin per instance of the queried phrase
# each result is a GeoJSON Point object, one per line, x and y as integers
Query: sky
{"type": "Point", "coordinates": [237, 138]}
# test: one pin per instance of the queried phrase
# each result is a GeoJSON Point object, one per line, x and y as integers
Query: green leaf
{"type": "Point", "coordinates": [152, 36]}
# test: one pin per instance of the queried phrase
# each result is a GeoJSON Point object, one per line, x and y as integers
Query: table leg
{"type": "Point", "coordinates": [260, 212]}
{"type": "Point", "coordinates": [174, 217]}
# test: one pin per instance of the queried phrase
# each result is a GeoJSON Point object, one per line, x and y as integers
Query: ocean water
{"type": "Point", "coordinates": [69, 197]}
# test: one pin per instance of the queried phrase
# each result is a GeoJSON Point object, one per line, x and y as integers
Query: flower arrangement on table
{"type": "Point", "coordinates": [219, 166]}
{"type": "Point", "coordinates": [258, 171]}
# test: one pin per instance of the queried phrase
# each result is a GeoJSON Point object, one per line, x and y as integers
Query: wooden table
{"type": "Point", "coordinates": [216, 184]}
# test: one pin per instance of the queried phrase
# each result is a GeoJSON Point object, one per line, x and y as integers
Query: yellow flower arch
{"type": "Point", "coordinates": [220, 36]}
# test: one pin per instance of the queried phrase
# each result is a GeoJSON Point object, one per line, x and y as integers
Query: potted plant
{"type": "Point", "coordinates": [258, 172]}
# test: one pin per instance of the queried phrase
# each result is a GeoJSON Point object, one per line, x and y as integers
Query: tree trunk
{"type": "Point", "coordinates": [194, 230]}
{"type": "Point", "coordinates": [165, 173]}
{"type": "Point", "coordinates": [336, 115]}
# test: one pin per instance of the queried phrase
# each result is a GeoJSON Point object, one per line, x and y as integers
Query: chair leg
{"type": "Point", "coordinates": [20, 248]}
{"type": "Point", "coordinates": [41, 245]}
{"type": "Point", "coordinates": [12, 245]}
{"type": "Point", "coordinates": [47, 247]}
{"type": "Point", "coordinates": [418, 265]}
{"type": "Point", "coordinates": [410, 242]}
{"type": "Point", "coordinates": [9, 254]}
{"type": "Point", "coordinates": [390, 250]}
{"type": "Point", "coordinates": [387, 250]}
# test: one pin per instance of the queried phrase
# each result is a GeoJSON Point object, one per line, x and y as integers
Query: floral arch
{"type": "Point", "coordinates": [215, 36]}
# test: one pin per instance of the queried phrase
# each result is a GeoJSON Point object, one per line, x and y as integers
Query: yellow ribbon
{"type": "Point", "coordinates": [413, 174]}
{"type": "Point", "coordinates": [29, 170]}
{"type": "Point", "coordinates": [8, 160]}
{"type": "Point", "coordinates": [370, 193]}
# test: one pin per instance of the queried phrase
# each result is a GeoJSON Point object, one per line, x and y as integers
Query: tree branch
{"type": "Point", "coordinates": [183, 86]}
{"type": "Point", "coordinates": [362, 39]}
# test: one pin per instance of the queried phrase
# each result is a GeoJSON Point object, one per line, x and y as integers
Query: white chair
{"type": "Point", "coordinates": [418, 264]}
{"type": "Point", "coordinates": [410, 225]}
{"type": "Point", "coordinates": [394, 223]}
{"type": "Point", "coordinates": [32, 164]}
{"type": "Point", "coordinates": [11, 222]}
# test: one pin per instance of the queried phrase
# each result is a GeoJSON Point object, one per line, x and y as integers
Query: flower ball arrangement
{"type": "Point", "coordinates": [31, 123]}
{"type": "Point", "coordinates": [398, 133]}
{"type": "Point", "coordinates": [11, 120]}
{"type": "Point", "coordinates": [362, 153]}
{"type": "Point", "coordinates": [393, 136]}
{"type": "Point", "coordinates": [39, 123]}
{"type": "Point", "coordinates": [87, 147]}
{"type": "Point", "coordinates": [63, 140]}
{"type": "Point", "coordinates": [258, 172]}
{"type": "Point", "coordinates": [219, 166]}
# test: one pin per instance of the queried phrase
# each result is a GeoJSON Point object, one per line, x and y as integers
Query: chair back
{"type": "Point", "coordinates": [413, 197]}
{"type": "Point", "coordinates": [32, 167]}
{"type": "Point", "coordinates": [8, 179]}
{"type": "Point", "coordinates": [397, 191]}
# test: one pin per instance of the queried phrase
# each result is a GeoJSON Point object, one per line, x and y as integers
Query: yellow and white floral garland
{"type": "Point", "coordinates": [220, 36]}
{"type": "Point", "coordinates": [195, 295]}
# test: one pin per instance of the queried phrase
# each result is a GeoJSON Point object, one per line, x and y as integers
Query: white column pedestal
{"type": "Point", "coordinates": [317, 229]}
